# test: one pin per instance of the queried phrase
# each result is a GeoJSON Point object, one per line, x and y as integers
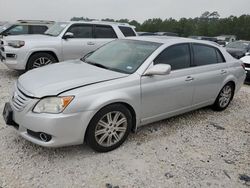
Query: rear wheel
{"type": "Point", "coordinates": [40, 59]}
{"type": "Point", "coordinates": [109, 128]}
{"type": "Point", "coordinates": [224, 98]}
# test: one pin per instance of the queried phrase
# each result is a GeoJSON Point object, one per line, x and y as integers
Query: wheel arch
{"type": "Point", "coordinates": [43, 51]}
{"type": "Point", "coordinates": [127, 105]}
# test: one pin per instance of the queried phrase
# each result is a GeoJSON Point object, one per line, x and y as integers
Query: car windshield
{"type": "Point", "coordinates": [238, 44]}
{"type": "Point", "coordinates": [124, 56]}
{"type": "Point", "coordinates": [56, 29]}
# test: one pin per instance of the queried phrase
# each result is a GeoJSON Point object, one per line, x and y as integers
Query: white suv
{"type": "Point", "coordinates": [63, 41]}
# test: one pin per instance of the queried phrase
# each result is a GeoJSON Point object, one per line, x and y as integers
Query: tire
{"type": "Point", "coordinates": [40, 59]}
{"type": "Point", "coordinates": [102, 135]}
{"type": "Point", "coordinates": [224, 98]}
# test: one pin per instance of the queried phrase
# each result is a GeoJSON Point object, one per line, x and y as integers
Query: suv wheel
{"type": "Point", "coordinates": [109, 128]}
{"type": "Point", "coordinates": [40, 59]}
{"type": "Point", "coordinates": [224, 98]}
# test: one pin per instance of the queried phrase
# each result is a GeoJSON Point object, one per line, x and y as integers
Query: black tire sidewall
{"type": "Point", "coordinates": [36, 56]}
{"type": "Point", "coordinates": [90, 133]}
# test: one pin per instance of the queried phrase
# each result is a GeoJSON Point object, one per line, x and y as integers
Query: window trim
{"type": "Point", "coordinates": [77, 24]}
{"type": "Point", "coordinates": [207, 45]}
{"type": "Point", "coordinates": [190, 55]}
{"type": "Point", "coordinates": [109, 26]}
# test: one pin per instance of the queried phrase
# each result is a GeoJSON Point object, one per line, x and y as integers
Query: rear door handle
{"type": "Point", "coordinates": [189, 78]}
{"type": "Point", "coordinates": [223, 71]}
{"type": "Point", "coordinates": [91, 43]}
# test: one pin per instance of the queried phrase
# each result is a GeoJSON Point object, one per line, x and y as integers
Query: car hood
{"type": "Point", "coordinates": [36, 37]}
{"type": "Point", "coordinates": [54, 79]}
{"type": "Point", "coordinates": [246, 59]}
{"type": "Point", "coordinates": [236, 50]}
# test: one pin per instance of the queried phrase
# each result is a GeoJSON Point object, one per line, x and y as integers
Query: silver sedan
{"type": "Point", "coordinates": [125, 84]}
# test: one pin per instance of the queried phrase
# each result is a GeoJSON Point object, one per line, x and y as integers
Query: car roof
{"type": "Point", "coordinates": [100, 23]}
{"type": "Point", "coordinates": [171, 39]}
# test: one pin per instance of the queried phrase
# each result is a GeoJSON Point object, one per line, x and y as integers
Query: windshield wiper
{"type": "Point", "coordinates": [48, 34]}
{"type": "Point", "coordinates": [95, 64]}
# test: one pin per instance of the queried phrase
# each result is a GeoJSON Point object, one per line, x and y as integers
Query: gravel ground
{"type": "Point", "coordinates": [198, 149]}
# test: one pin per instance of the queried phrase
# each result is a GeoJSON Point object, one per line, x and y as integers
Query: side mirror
{"type": "Point", "coordinates": [159, 69]}
{"type": "Point", "coordinates": [68, 35]}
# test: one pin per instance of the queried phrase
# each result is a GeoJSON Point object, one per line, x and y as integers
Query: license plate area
{"type": "Point", "coordinates": [8, 116]}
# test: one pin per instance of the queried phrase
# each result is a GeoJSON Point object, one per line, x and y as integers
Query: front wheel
{"type": "Point", "coordinates": [224, 98]}
{"type": "Point", "coordinates": [39, 60]}
{"type": "Point", "coordinates": [109, 128]}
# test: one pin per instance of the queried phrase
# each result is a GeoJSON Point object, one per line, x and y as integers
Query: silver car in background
{"type": "Point", "coordinates": [125, 84]}
{"type": "Point", "coordinates": [63, 41]}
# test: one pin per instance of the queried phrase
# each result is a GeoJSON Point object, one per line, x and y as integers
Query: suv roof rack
{"type": "Point", "coordinates": [35, 21]}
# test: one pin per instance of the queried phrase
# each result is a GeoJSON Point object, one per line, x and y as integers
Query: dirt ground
{"type": "Point", "coordinates": [198, 149]}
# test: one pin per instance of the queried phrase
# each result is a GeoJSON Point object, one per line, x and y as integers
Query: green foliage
{"type": "Point", "coordinates": [208, 24]}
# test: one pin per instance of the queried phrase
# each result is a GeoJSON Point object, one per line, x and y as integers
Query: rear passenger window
{"type": "Point", "coordinates": [177, 56]}
{"type": "Point", "coordinates": [81, 31]}
{"type": "Point", "coordinates": [104, 32]}
{"type": "Point", "coordinates": [127, 31]}
{"type": "Point", "coordinates": [18, 30]}
{"type": "Point", "coordinates": [204, 55]}
{"type": "Point", "coordinates": [38, 29]}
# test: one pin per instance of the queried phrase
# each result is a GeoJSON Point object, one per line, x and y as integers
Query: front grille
{"type": "Point", "coordinates": [20, 99]}
{"type": "Point", "coordinates": [247, 65]}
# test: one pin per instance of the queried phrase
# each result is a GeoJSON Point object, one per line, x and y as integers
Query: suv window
{"type": "Point", "coordinates": [205, 55]}
{"type": "Point", "coordinates": [18, 30]}
{"type": "Point", "coordinates": [102, 31]}
{"type": "Point", "coordinates": [38, 29]}
{"type": "Point", "coordinates": [127, 31]}
{"type": "Point", "coordinates": [178, 56]}
{"type": "Point", "coordinates": [81, 31]}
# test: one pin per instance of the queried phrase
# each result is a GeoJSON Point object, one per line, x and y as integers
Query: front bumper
{"type": "Point", "coordinates": [13, 58]}
{"type": "Point", "coordinates": [64, 129]}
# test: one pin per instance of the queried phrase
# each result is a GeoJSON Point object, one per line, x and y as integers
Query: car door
{"type": "Point", "coordinates": [165, 95]}
{"type": "Point", "coordinates": [80, 44]}
{"type": "Point", "coordinates": [209, 74]}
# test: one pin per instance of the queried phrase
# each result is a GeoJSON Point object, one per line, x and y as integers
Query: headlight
{"type": "Point", "coordinates": [16, 43]}
{"type": "Point", "coordinates": [53, 105]}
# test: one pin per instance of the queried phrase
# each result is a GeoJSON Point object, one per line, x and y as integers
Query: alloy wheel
{"type": "Point", "coordinates": [42, 61]}
{"type": "Point", "coordinates": [111, 128]}
{"type": "Point", "coordinates": [225, 96]}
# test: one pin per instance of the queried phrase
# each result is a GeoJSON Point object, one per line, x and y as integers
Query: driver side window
{"type": "Point", "coordinates": [178, 56]}
{"type": "Point", "coordinates": [81, 31]}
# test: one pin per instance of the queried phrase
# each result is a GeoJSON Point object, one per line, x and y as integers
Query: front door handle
{"type": "Point", "coordinates": [223, 72]}
{"type": "Point", "coordinates": [91, 43]}
{"type": "Point", "coordinates": [189, 78]}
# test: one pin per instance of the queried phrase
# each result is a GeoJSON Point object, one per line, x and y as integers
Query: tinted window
{"type": "Point", "coordinates": [204, 55]}
{"type": "Point", "coordinates": [177, 56]}
{"type": "Point", "coordinates": [81, 31]}
{"type": "Point", "coordinates": [104, 32]}
{"type": "Point", "coordinates": [127, 31]}
{"type": "Point", "coordinates": [18, 30]}
{"type": "Point", "coordinates": [38, 29]}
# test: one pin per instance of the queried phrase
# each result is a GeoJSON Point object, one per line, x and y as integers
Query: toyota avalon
{"type": "Point", "coordinates": [123, 85]}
